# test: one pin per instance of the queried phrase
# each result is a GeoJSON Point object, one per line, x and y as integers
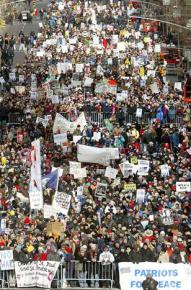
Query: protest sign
{"type": "Point", "coordinates": [49, 211]}
{"type": "Point", "coordinates": [140, 196]}
{"type": "Point", "coordinates": [178, 86]}
{"type": "Point", "coordinates": [74, 166]}
{"type": "Point", "coordinates": [101, 189]}
{"type": "Point", "coordinates": [143, 167]}
{"type": "Point", "coordinates": [6, 255]}
{"type": "Point", "coordinates": [164, 170]}
{"type": "Point", "coordinates": [166, 217]}
{"type": "Point", "coordinates": [168, 275]}
{"type": "Point", "coordinates": [59, 139]}
{"type": "Point", "coordinates": [130, 186]}
{"type": "Point", "coordinates": [80, 190]}
{"type": "Point", "coordinates": [35, 274]}
{"type": "Point", "coordinates": [3, 225]}
{"type": "Point", "coordinates": [111, 172]}
{"type": "Point", "coordinates": [139, 112]}
{"type": "Point", "coordinates": [55, 99]}
{"type": "Point", "coordinates": [7, 265]}
{"type": "Point", "coordinates": [79, 67]}
{"type": "Point", "coordinates": [80, 174]}
{"type": "Point", "coordinates": [20, 89]}
{"type": "Point", "coordinates": [21, 78]}
{"type": "Point", "coordinates": [54, 228]}
{"type": "Point", "coordinates": [126, 168]}
{"type": "Point", "coordinates": [96, 136]}
{"type": "Point", "coordinates": [12, 76]}
{"type": "Point", "coordinates": [43, 121]}
{"type": "Point", "coordinates": [183, 186]}
{"type": "Point", "coordinates": [61, 202]}
{"type": "Point", "coordinates": [33, 95]}
{"type": "Point", "coordinates": [154, 88]}
{"type": "Point", "coordinates": [116, 182]}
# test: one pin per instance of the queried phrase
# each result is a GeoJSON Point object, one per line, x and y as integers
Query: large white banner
{"type": "Point", "coordinates": [169, 276]}
{"type": "Point", "coordinates": [101, 156]}
{"type": "Point", "coordinates": [35, 274]}
{"type": "Point", "coordinates": [62, 125]}
{"type": "Point", "coordinates": [35, 186]}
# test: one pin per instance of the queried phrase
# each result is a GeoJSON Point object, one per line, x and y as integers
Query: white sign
{"type": "Point", "coordinates": [183, 186]}
{"type": "Point", "coordinates": [143, 167]}
{"type": "Point", "coordinates": [61, 202]}
{"type": "Point", "coordinates": [35, 274]}
{"type": "Point", "coordinates": [42, 121]}
{"type": "Point", "coordinates": [49, 211]}
{"type": "Point", "coordinates": [74, 166]}
{"type": "Point", "coordinates": [164, 170]}
{"type": "Point", "coordinates": [59, 139]}
{"type": "Point", "coordinates": [111, 172]}
{"type": "Point", "coordinates": [154, 88]}
{"type": "Point", "coordinates": [7, 265]}
{"type": "Point", "coordinates": [139, 112]}
{"type": "Point", "coordinates": [140, 196]}
{"type": "Point", "coordinates": [6, 255]}
{"type": "Point", "coordinates": [168, 275]}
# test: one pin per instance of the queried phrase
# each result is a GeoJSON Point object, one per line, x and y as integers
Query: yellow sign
{"type": "Point", "coordinates": [130, 186]}
{"type": "Point", "coordinates": [2, 23]}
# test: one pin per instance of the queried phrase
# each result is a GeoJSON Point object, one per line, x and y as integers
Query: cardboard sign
{"type": "Point", "coordinates": [54, 228]}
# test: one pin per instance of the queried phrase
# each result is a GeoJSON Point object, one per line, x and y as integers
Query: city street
{"type": "Point", "coordinates": [26, 27]}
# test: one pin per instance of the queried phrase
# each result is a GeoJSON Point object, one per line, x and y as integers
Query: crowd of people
{"type": "Point", "coordinates": [92, 58]}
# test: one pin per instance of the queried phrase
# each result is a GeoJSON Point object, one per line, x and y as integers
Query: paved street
{"type": "Point", "coordinates": [26, 27]}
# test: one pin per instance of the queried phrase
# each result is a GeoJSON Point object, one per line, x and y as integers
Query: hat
{"type": "Point", "coordinates": [83, 248]}
{"type": "Point", "coordinates": [148, 233]}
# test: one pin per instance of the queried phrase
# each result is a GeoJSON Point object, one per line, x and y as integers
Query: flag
{"type": "Point", "coordinates": [50, 180]}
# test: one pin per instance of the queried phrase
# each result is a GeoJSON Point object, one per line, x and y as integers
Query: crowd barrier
{"type": "Point", "coordinates": [73, 274]}
{"type": "Point", "coordinates": [99, 118]}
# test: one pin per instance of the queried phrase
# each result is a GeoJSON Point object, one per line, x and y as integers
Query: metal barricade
{"type": "Point", "coordinates": [99, 118]}
{"type": "Point", "coordinates": [15, 118]}
{"type": "Point", "coordinates": [84, 274]}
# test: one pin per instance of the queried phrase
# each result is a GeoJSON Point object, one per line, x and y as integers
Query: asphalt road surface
{"type": "Point", "coordinates": [26, 27]}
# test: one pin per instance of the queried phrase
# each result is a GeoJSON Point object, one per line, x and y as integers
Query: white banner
{"type": "Point", "coordinates": [62, 125]}
{"type": "Point", "coordinates": [169, 276]}
{"type": "Point", "coordinates": [35, 186]}
{"type": "Point", "coordinates": [35, 274]}
{"type": "Point", "coordinates": [101, 156]}
{"type": "Point", "coordinates": [183, 186]}
{"type": "Point", "coordinates": [61, 202]}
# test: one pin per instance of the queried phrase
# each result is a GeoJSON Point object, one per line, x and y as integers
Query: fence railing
{"type": "Point", "coordinates": [99, 118]}
{"type": "Point", "coordinates": [72, 274]}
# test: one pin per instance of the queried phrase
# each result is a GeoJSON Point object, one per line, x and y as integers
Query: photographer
{"type": "Point", "coordinates": [149, 283]}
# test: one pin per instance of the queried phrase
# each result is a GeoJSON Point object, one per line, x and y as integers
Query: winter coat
{"type": "Point", "coordinates": [147, 255]}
